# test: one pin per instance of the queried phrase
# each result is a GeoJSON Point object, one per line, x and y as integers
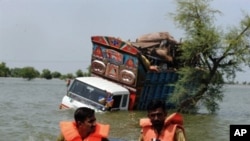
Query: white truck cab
{"type": "Point", "coordinates": [96, 93]}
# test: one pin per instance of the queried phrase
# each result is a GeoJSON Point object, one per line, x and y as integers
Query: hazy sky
{"type": "Point", "coordinates": [55, 34]}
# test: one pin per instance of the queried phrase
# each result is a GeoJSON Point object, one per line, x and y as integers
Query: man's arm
{"type": "Point", "coordinates": [179, 135]}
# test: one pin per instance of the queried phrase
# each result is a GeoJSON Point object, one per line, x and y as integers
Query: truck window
{"type": "Point", "coordinates": [88, 92]}
{"type": "Point", "coordinates": [117, 101]}
{"type": "Point", "coordinates": [124, 101]}
{"type": "Point", "coordinates": [79, 88]}
{"type": "Point", "coordinates": [97, 94]}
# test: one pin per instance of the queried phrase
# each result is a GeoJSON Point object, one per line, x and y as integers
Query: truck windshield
{"type": "Point", "coordinates": [88, 92]}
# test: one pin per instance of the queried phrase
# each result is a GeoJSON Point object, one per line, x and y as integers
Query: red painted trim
{"type": "Point", "coordinates": [116, 43]}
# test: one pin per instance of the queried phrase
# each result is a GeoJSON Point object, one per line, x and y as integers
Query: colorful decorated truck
{"type": "Point", "coordinates": [146, 69]}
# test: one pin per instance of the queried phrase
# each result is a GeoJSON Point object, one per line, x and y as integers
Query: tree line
{"type": "Point", "coordinates": [237, 83]}
{"type": "Point", "coordinates": [30, 73]}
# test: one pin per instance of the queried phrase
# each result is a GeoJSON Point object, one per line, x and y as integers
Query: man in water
{"type": "Point", "coordinates": [159, 127]}
{"type": "Point", "coordinates": [84, 128]}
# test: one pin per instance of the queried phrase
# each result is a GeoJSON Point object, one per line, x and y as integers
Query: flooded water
{"type": "Point", "coordinates": [29, 112]}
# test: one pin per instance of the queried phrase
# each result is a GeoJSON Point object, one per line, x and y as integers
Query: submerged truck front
{"type": "Point", "coordinates": [96, 93]}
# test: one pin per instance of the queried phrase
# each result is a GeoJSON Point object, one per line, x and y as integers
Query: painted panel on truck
{"type": "Point", "coordinates": [115, 60]}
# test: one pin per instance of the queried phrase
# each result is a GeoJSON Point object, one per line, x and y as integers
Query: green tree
{"type": "Point", "coordinates": [4, 70]}
{"type": "Point", "coordinates": [69, 76]}
{"type": "Point", "coordinates": [79, 73]}
{"type": "Point", "coordinates": [209, 55]}
{"type": "Point", "coordinates": [29, 73]}
{"type": "Point", "coordinates": [16, 72]}
{"type": "Point", "coordinates": [56, 74]}
{"type": "Point", "coordinates": [85, 74]}
{"type": "Point", "coordinates": [46, 74]}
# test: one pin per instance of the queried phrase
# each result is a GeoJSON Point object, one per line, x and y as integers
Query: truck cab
{"type": "Point", "coordinates": [96, 93]}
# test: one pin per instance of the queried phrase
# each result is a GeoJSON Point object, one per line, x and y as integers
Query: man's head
{"type": "Point", "coordinates": [85, 120]}
{"type": "Point", "coordinates": [157, 113]}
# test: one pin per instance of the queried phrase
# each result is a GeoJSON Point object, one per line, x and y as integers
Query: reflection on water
{"type": "Point", "coordinates": [29, 112]}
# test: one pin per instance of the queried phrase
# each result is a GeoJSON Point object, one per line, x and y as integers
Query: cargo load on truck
{"type": "Point", "coordinates": [160, 49]}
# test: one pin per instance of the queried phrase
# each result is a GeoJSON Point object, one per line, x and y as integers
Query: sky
{"type": "Point", "coordinates": [55, 34]}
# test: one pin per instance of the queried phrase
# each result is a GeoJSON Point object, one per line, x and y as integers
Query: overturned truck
{"type": "Point", "coordinates": [141, 71]}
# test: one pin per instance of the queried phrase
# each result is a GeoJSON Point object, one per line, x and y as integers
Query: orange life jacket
{"type": "Point", "coordinates": [170, 125]}
{"type": "Point", "coordinates": [70, 132]}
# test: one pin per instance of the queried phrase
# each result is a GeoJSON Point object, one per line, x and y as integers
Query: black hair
{"type": "Point", "coordinates": [82, 113]}
{"type": "Point", "coordinates": [154, 104]}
